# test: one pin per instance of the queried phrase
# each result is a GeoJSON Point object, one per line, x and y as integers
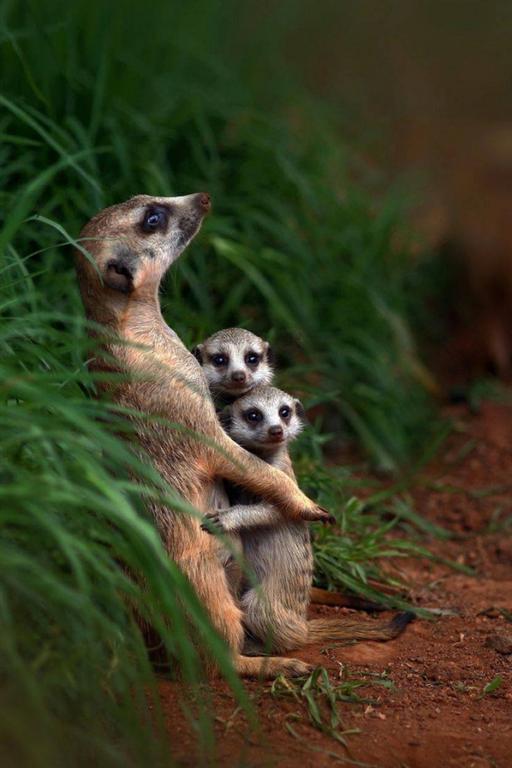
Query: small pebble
{"type": "Point", "coordinates": [500, 641]}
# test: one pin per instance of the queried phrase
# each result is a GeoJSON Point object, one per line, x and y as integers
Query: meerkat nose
{"type": "Point", "coordinates": [203, 201]}
{"type": "Point", "coordinates": [238, 376]}
{"type": "Point", "coordinates": [275, 431]}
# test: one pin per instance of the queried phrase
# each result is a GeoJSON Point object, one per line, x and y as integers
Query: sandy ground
{"type": "Point", "coordinates": [435, 716]}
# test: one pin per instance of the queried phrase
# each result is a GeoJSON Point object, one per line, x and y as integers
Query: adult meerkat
{"type": "Point", "coordinates": [279, 552]}
{"type": "Point", "coordinates": [234, 361]}
{"type": "Point", "coordinates": [131, 246]}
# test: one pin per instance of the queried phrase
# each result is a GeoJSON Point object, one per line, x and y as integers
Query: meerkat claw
{"type": "Point", "coordinates": [211, 523]}
{"type": "Point", "coordinates": [318, 515]}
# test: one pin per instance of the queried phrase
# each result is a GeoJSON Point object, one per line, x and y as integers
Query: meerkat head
{"type": "Point", "coordinates": [264, 420]}
{"type": "Point", "coordinates": [234, 361]}
{"type": "Point", "coordinates": [131, 245]}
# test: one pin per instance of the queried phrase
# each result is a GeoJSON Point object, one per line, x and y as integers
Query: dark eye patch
{"type": "Point", "coordinates": [252, 358]}
{"type": "Point", "coordinates": [156, 219]}
{"type": "Point", "coordinates": [285, 411]}
{"type": "Point", "coordinates": [253, 415]}
{"type": "Point", "coordinates": [219, 360]}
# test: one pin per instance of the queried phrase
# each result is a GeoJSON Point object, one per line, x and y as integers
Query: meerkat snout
{"type": "Point", "coordinates": [238, 377]}
{"type": "Point", "coordinates": [235, 361]}
{"type": "Point", "coordinates": [204, 201]}
{"type": "Point", "coordinates": [276, 432]}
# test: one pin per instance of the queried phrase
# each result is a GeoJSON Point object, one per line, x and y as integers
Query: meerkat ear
{"type": "Point", "coordinates": [119, 276]}
{"type": "Point", "coordinates": [299, 410]}
{"type": "Point", "coordinates": [225, 416]}
{"type": "Point", "coordinates": [198, 353]}
{"type": "Point", "coordinates": [269, 354]}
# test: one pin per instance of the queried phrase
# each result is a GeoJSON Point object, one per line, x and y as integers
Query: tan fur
{"type": "Point", "coordinates": [278, 552]}
{"type": "Point", "coordinates": [120, 291]}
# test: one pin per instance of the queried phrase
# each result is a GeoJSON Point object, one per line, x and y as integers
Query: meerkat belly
{"type": "Point", "coordinates": [218, 499]}
{"type": "Point", "coordinates": [281, 560]}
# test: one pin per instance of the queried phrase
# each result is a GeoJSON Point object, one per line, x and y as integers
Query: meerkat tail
{"type": "Point", "coordinates": [338, 629]}
{"type": "Point", "coordinates": [319, 596]}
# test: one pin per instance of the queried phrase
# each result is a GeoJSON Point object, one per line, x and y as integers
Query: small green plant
{"type": "Point", "coordinates": [320, 698]}
{"type": "Point", "coordinates": [492, 686]}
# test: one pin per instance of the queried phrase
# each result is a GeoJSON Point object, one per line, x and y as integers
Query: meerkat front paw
{"type": "Point", "coordinates": [317, 514]}
{"type": "Point", "coordinates": [211, 523]}
{"type": "Point", "coordinates": [215, 522]}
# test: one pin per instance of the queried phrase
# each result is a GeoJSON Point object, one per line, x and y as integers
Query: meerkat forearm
{"type": "Point", "coordinates": [244, 469]}
{"type": "Point", "coordinates": [244, 517]}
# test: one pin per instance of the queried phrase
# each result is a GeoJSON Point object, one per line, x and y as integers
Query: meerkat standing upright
{"type": "Point", "coordinates": [279, 553]}
{"type": "Point", "coordinates": [130, 247]}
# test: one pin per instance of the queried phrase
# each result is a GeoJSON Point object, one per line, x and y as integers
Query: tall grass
{"type": "Point", "coordinates": [76, 554]}
{"type": "Point", "coordinates": [99, 103]}
{"type": "Point", "coordinates": [294, 249]}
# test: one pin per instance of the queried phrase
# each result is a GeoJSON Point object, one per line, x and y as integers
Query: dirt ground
{"type": "Point", "coordinates": [435, 715]}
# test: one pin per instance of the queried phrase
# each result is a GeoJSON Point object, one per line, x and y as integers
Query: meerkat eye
{"type": "Point", "coordinates": [155, 218]}
{"type": "Point", "coordinates": [285, 412]}
{"type": "Point", "coordinates": [253, 415]}
{"type": "Point", "coordinates": [252, 358]}
{"type": "Point", "coordinates": [219, 360]}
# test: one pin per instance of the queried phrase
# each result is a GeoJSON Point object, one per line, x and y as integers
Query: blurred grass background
{"type": "Point", "coordinates": [306, 246]}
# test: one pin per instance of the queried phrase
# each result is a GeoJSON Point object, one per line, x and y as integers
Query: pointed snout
{"type": "Point", "coordinates": [203, 202]}
{"type": "Point", "coordinates": [275, 432]}
{"type": "Point", "coordinates": [198, 202]}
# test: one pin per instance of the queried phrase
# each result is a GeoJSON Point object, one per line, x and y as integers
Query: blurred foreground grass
{"type": "Point", "coordinates": [99, 103]}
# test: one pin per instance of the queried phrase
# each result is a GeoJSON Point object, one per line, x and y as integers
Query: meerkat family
{"type": "Point", "coordinates": [264, 420]}
{"type": "Point", "coordinates": [130, 247]}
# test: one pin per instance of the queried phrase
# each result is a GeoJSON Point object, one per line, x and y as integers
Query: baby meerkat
{"type": "Point", "coordinates": [234, 361]}
{"type": "Point", "coordinates": [278, 552]}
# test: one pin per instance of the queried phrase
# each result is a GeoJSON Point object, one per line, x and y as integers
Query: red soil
{"type": "Point", "coordinates": [436, 715]}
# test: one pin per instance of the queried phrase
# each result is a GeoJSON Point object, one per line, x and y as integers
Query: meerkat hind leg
{"type": "Point", "coordinates": [242, 517]}
{"type": "Point", "coordinates": [272, 625]}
